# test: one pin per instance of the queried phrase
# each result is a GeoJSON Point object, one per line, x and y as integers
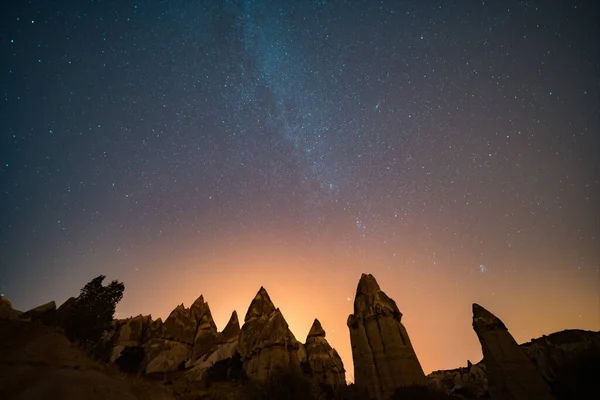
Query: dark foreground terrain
{"type": "Point", "coordinates": [38, 362]}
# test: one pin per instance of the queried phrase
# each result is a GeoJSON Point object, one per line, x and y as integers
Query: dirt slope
{"type": "Point", "coordinates": [37, 362]}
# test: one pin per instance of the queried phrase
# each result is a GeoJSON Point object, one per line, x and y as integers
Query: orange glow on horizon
{"type": "Point", "coordinates": [436, 311]}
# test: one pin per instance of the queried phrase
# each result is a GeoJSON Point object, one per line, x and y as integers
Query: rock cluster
{"type": "Point", "coordinates": [325, 364]}
{"type": "Point", "coordinates": [224, 347]}
{"type": "Point", "coordinates": [511, 374]}
{"type": "Point", "coordinates": [130, 332]}
{"type": "Point", "coordinates": [186, 335]}
{"type": "Point", "coordinates": [188, 339]}
{"type": "Point", "coordinates": [469, 382]}
{"type": "Point", "coordinates": [562, 364]}
{"type": "Point", "coordinates": [563, 351]}
{"type": "Point", "coordinates": [266, 342]}
{"type": "Point", "coordinates": [384, 359]}
{"type": "Point", "coordinates": [564, 359]}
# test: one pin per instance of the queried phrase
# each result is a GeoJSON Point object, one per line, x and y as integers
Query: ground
{"type": "Point", "coordinates": [38, 362]}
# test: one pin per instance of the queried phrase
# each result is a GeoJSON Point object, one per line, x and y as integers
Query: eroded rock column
{"type": "Point", "coordinates": [511, 374]}
{"type": "Point", "coordinates": [383, 356]}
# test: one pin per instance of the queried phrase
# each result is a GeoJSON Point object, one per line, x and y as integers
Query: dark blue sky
{"type": "Point", "coordinates": [451, 148]}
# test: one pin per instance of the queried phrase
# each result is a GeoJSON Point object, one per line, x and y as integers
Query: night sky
{"type": "Point", "coordinates": [450, 148]}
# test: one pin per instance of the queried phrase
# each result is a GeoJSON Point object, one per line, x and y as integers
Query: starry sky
{"type": "Point", "coordinates": [450, 148]}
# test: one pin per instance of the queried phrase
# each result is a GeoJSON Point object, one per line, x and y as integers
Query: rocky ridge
{"type": "Point", "coordinates": [510, 373]}
{"type": "Point", "coordinates": [187, 343]}
{"type": "Point", "coordinates": [566, 360]}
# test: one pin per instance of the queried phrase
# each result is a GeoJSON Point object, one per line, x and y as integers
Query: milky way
{"type": "Point", "coordinates": [449, 148]}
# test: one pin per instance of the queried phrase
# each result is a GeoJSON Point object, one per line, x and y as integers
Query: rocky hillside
{"type": "Point", "coordinates": [567, 360]}
{"type": "Point", "coordinates": [38, 362]}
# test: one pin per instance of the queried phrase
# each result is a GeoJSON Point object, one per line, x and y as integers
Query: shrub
{"type": "Point", "coordinates": [130, 359]}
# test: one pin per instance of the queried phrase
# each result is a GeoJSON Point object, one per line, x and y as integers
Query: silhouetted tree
{"type": "Point", "coordinates": [92, 313]}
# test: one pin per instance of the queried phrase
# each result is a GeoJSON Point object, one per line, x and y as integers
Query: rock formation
{"type": "Point", "coordinates": [511, 375]}
{"type": "Point", "coordinates": [6, 310]}
{"type": "Point", "coordinates": [468, 382]}
{"type": "Point", "coordinates": [4, 302]}
{"type": "Point", "coordinates": [165, 355]}
{"type": "Point", "coordinates": [45, 312]}
{"type": "Point", "coordinates": [384, 358]}
{"type": "Point", "coordinates": [231, 331]}
{"type": "Point", "coordinates": [130, 332]}
{"type": "Point", "coordinates": [562, 352]}
{"type": "Point", "coordinates": [179, 326]}
{"type": "Point", "coordinates": [154, 329]}
{"type": "Point", "coordinates": [265, 341]}
{"type": "Point", "coordinates": [63, 312]}
{"type": "Point", "coordinates": [206, 330]}
{"type": "Point", "coordinates": [565, 359]}
{"type": "Point", "coordinates": [225, 347]}
{"type": "Point", "coordinates": [186, 335]}
{"type": "Point", "coordinates": [325, 363]}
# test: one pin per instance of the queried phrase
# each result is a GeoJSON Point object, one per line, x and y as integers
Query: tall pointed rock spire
{"type": "Point", "coordinates": [231, 330]}
{"type": "Point", "coordinates": [261, 306]}
{"type": "Point", "coordinates": [266, 342]}
{"type": "Point", "coordinates": [511, 374]}
{"type": "Point", "coordinates": [384, 358]}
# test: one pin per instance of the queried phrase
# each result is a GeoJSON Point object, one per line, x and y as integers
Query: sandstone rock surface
{"type": "Point", "coordinates": [186, 335]}
{"type": "Point", "coordinates": [6, 310]}
{"type": "Point", "coordinates": [131, 332]}
{"type": "Point", "coordinates": [4, 302]}
{"type": "Point", "coordinates": [325, 363]}
{"type": "Point", "coordinates": [384, 358]}
{"type": "Point", "coordinates": [63, 312]}
{"type": "Point", "coordinates": [163, 355]}
{"type": "Point", "coordinates": [194, 326]}
{"type": "Point", "coordinates": [179, 326]}
{"type": "Point", "coordinates": [511, 374]}
{"type": "Point", "coordinates": [566, 359]}
{"type": "Point", "coordinates": [467, 382]}
{"type": "Point", "coordinates": [225, 346]}
{"type": "Point", "coordinates": [206, 330]}
{"type": "Point", "coordinates": [265, 341]}
{"type": "Point", "coordinates": [154, 329]}
{"type": "Point", "coordinates": [44, 312]}
{"type": "Point", "coordinates": [231, 331]}
{"type": "Point", "coordinates": [559, 351]}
